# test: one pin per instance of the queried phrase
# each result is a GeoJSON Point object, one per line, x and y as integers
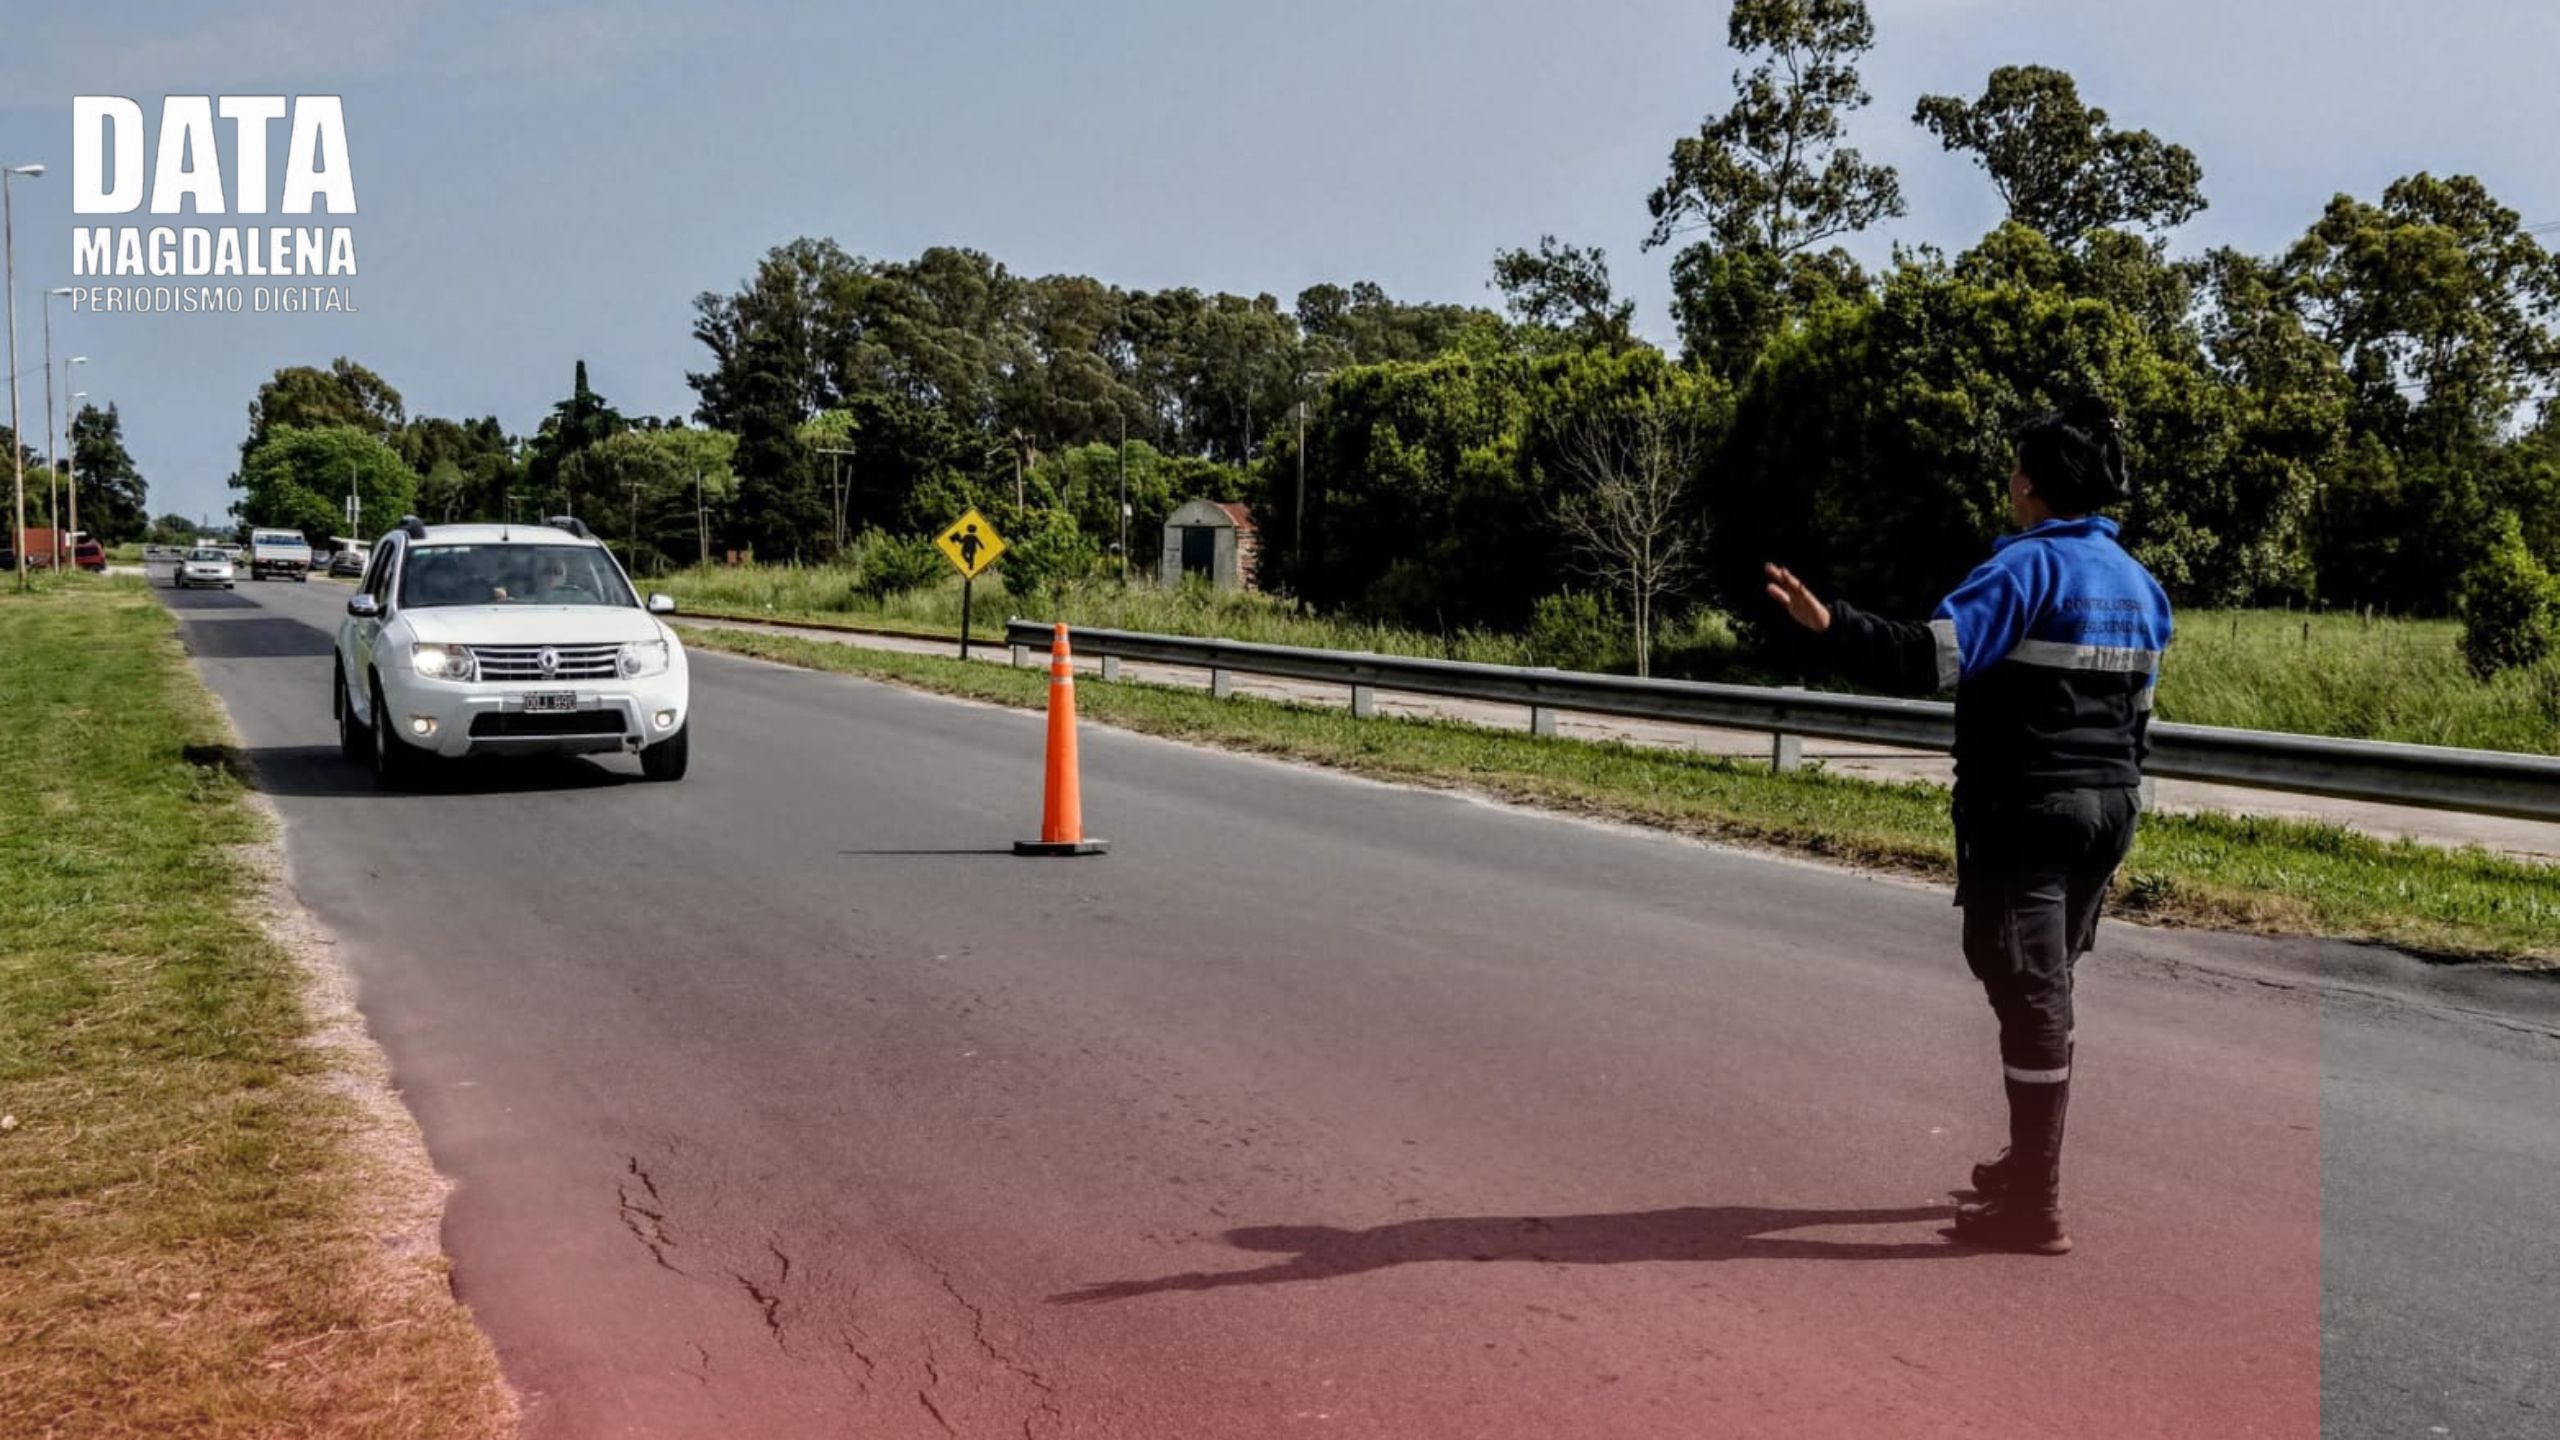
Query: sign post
{"type": "Point", "coordinates": [971, 545]}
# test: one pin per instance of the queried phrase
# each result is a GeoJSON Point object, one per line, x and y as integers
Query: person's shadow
{"type": "Point", "coordinates": [1691, 1233]}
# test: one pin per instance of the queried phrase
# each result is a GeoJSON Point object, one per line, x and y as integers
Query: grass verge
{"type": "Point", "coordinates": [2271, 876]}
{"type": "Point", "coordinates": [217, 1221]}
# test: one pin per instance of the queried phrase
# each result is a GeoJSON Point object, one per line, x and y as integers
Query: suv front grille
{"type": "Point", "coordinates": [524, 662]}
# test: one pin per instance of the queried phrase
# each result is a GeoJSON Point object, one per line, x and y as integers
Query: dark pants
{"type": "Point", "coordinates": [2031, 874]}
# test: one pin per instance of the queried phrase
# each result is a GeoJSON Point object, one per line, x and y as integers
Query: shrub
{"type": "Point", "coordinates": [886, 565]}
{"type": "Point", "coordinates": [2510, 606]}
{"type": "Point", "coordinates": [1044, 556]}
{"type": "Point", "coordinates": [1577, 630]}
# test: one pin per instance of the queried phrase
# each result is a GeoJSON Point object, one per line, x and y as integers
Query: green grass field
{"type": "Point", "coordinates": [2273, 876]}
{"type": "Point", "coordinates": [2342, 675]}
{"type": "Point", "coordinates": [193, 1217]}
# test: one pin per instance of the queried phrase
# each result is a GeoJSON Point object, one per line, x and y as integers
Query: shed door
{"type": "Point", "coordinates": [1200, 551]}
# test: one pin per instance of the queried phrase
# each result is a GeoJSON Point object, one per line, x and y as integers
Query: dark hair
{"type": "Point", "coordinates": [2074, 457]}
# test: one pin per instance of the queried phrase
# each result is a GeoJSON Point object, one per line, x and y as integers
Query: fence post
{"type": "Point", "coordinates": [1364, 702]}
{"type": "Point", "coordinates": [2146, 795]}
{"type": "Point", "coordinates": [1021, 656]}
{"type": "Point", "coordinates": [1222, 683]}
{"type": "Point", "coordinates": [1786, 752]}
{"type": "Point", "coordinates": [1110, 667]}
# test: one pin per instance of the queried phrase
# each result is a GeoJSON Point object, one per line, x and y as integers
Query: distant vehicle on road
{"type": "Point", "coordinates": [205, 567]}
{"type": "Point", "coordinates": [279, 552]}
{"type": "Point", "coordinates": [506, 639]}
{"type": "Point", "coordinates": [349, 563]}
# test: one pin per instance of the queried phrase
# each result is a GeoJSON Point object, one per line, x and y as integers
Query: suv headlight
{"type": "Point", "coordinates": [644, 657]}
{"type": "Point", "coordinates": [443, 662]}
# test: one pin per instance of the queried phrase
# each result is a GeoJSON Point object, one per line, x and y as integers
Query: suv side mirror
{"type": "Point", "coordinates": [662, 604]}
{"type": "Point", "coordinates": [363, 607]}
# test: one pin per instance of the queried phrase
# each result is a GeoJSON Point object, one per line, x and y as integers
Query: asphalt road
{"type": "Point", "coordinates": [782, 1103]}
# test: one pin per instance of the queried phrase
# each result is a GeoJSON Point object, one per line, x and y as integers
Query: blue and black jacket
{"type": "Point", "coordinates": [2052, 647]}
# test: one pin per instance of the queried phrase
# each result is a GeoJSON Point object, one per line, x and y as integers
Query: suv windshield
{"type": "Point", "coordinates": [511, 575]}
{"type": "Point", "coordinates": [206, 555]}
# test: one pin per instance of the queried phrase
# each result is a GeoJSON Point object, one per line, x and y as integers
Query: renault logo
{"type": "Point", "coordinates": [549, 660]}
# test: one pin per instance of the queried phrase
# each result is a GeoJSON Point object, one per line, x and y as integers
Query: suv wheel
{"type": "Point", "coordinates": [395, 761]}
{"type": "Point", "coordinates": [667, 759]}
{"type": "Point", "coordinates": [354, 744]}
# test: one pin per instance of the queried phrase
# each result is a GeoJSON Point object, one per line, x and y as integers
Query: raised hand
{"type": "Point", "coordinates": [1802, 605]}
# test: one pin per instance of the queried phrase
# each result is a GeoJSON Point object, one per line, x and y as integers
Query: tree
{"type": "Point", "coordinates": [2510, 606]}
{"type": "Point", "coordinates": [1871, 448]}
{"type": "Point", "coordinates": [1769, 180]}
{"type": "Point", "coordinates": [1363, 325]}
{"type": "Point", "coordinates": [470, 467]}
{"type": "Point", "coordinates": [344, 394]}
{"type": "Point", "coordinates": [299, 479]}
{"type": "Point", "coordinates": [1564, 290]}
{"type": "Point", "coordinates": [2441, 306]}
{"type": "Point", "coordinates": [1628, 514]}
{"type": "Point", "coordinates": [581, 421]}
{"type": "Point", "coordinates": [2060, 167]}
{"type": "Point", "coordinates": [645, 485]}
{"type": "Point", "coordinates": [113, 496]}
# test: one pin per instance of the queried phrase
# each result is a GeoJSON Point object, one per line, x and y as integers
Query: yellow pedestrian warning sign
{"type": "Point", "coordinates": [971, 543]}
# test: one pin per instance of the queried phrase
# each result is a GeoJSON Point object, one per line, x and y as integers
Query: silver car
{"type": "Point", "coordinates": [203, 567]}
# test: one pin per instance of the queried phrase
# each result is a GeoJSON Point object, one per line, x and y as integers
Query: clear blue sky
{"type": "Point", "coordinates": [542, 183]}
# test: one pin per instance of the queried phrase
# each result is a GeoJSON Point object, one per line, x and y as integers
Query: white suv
{"type": "Point", "coordinates": [505, 639]}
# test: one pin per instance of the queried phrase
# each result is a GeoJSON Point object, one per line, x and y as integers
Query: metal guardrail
{"type": "Point", "coordinates": [2482, 782]}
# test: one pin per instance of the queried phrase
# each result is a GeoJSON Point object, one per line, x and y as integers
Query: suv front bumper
{"type": "Point", "coordinates": [455, 718]}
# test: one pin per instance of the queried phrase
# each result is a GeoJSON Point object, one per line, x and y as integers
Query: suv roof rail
{"type": "Point", "coordinates": [413, 527]}
{"type": "Point", "coordinates": [572, 524]}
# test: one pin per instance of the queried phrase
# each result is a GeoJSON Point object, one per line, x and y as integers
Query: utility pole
{"type": "Point", "coordinates": [836, 463]}
{"type": "Point", "coordinates": [632, 545]}
{"type": "Point", "coordinates": [1124, 497]}
{"type": "Point", "coordinates": [1298, 525]}
{"type": "Point", "coordinates": [701, 520]}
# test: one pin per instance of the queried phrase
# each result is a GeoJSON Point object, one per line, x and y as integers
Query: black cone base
{"type": "Point", "coordinates": [1061, 847]}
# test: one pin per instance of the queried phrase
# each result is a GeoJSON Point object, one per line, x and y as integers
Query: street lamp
{"type": "Point", "coordinates": [9, 271]}
{"type": "Point", "coordinates": [70, 472]}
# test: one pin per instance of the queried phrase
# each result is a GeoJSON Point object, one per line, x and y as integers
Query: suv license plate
{"type": "Point", "coordinates": [551, 700]}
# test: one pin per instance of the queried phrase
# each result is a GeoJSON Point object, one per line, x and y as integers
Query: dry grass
{"type": "Point", "coordinates": [219, 1221]}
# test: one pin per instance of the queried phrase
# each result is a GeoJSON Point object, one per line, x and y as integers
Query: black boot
{"type": "Point", "coordinates": [2023, 1209]}
{"type": "Point", "coordinates": [1996, 1177]}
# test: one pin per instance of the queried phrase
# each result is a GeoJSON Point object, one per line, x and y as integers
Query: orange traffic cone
{"type": "Point", "coordinates": [1062, 804]}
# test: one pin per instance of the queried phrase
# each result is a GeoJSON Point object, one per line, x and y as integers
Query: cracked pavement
{"type": "Point", "coordinates": [781, 1103]}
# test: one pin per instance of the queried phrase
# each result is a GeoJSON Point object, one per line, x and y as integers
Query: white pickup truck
{"type": "Point", "coordinates": [279, 552]}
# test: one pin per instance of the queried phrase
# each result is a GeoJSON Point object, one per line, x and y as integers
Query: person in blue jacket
{"type": "Point", "coordinates": [2051, 647]}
